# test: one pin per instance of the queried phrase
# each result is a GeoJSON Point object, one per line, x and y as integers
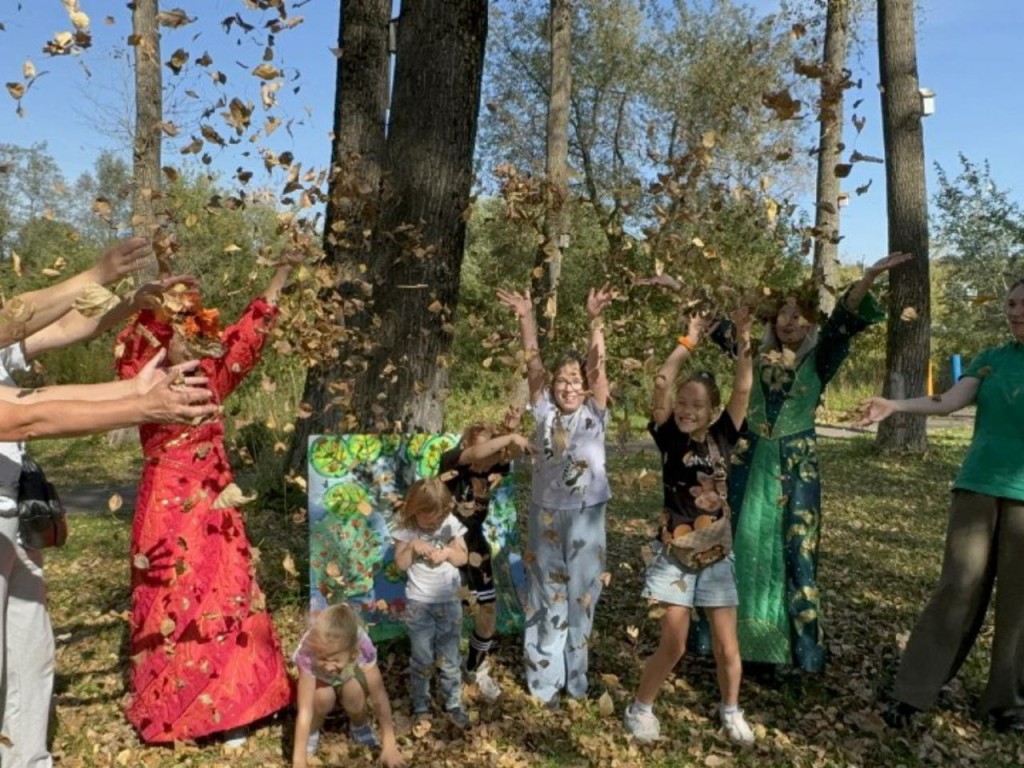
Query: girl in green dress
{"type": "Point", "coordinates": [775, 488]}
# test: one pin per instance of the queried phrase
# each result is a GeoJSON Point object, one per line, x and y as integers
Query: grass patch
{"type": "Point", "coordinates": [884, 522]}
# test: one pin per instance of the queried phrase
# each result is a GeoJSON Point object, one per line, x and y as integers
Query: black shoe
{"type": "Point", "coordinates": [899, 714]}
{"type": "Point", "coordinates": [459, 717]}
{"type": "Point", "coordinates": [1010, 722]}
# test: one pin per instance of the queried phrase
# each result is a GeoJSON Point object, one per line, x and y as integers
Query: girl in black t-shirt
{"type": "Point", "coordinates": [471, 470]}
{"type": "Point", "coordinates": [694, 445]}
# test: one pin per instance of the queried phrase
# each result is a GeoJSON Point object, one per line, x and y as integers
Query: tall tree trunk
{"type": "Point", "coordinates": [146, 202]}
{"type": "Point", "coordinates": [908, 336]}
{"type": "Point", "coordinates": [418, 256]}
{"type": "Point", "coordinates": [548, 262]}
{"type": "Point", "coordinates": [411, 190]}
{"type": "Point", "coordinates": [357, 158]}
{"type": "Point", "coordinates": [830, 147]}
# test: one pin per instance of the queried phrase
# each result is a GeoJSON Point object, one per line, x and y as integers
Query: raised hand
{"type": "Point", "coordinates": [520, 303]}
{"type": "Point", "coordinates": [598, 299]}
{"type": "Point", "coordinates": [150, 295]}
{"type": "Point", "coordinates": [124, 258]}
{"type": "Point", "coordinates": [888, 262]}
{"type": "Point", "coordinates": [743, 319]}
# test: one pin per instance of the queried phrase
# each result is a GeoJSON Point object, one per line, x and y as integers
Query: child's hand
{"type": "Point", "coordinates": [422, 548]}
{"type": "Point", "coordinates": [521, 443]}
{"type": "Point", "coordinates": [438, 556]}
{"type": "Point", "coordinates": [122, 259]}
{"type": "Point", "coordinates": [390, 757]}
{"type": "Point", "coordinates": [696, 326]}
{"type": "Point", "coordinates": [520, 303]}
{"type": "Point", "coordinates": [598, 300]}
{"type": "Point", "coordinates": [743, 319]}
{"type": "Point", "coordinates": [513, 417]}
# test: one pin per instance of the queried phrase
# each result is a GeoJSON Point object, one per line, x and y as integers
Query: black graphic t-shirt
{"type": "Point", "coordinates": [687, 472]}
{"type": "Point", "coordinates": [470, 489]}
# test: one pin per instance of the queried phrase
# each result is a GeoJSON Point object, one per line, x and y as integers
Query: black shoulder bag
{"type": "Point", "coordinates": [41, 520]}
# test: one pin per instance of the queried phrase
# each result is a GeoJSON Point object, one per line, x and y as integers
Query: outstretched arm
{"type": "Point", "coordinates": [304, 702]}
{"type": "Point", "coordinates": [960, 395]}
{"type": "Point", "coordinates": [860, 289]}
{"type": "Point", "coordinates": [169, 400]}
{"type": "Point", "coordinates": [279, 279]}
{"type": "Point", "coordinates": [75, 327]}
{"type": "Point", "coordinates": [743, 376]}
{"type": "Point", "coordinates": [495, 449]}
{"type": "Point", "coordinates": [522, 305]}
{"type": "Point", "coordinates": [597, 377]}
{"type": "Point", "coordinates": [390, 757]}
{"type": "Point", "coordinates": [30, 312]}
{"type": "Point", "coordinates": [665, 378]}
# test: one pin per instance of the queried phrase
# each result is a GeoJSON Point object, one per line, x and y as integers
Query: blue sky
{"type": "Point", "coordinates": [968, 53]}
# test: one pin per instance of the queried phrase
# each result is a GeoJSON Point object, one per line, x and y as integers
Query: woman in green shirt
{"type": "Point", "coordinates": [984, 540]}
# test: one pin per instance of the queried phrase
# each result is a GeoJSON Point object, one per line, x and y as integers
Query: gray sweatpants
{"type": "Point", "coordinates": [26, 674]}
{"type": "Point", "coordinates": [984, 545]}
{"type": "Point", "coordinates": [565, 559]}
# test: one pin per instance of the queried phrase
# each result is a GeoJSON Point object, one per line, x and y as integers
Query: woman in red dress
{"type": "Point", "coordinates": [205, 657]}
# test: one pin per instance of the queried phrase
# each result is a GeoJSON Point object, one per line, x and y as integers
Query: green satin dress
{"type": "Point", "coordinates": [775, 492]}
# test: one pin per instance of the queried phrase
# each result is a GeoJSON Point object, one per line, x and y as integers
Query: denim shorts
{"type": "Point", "coordinates": [668, 582]}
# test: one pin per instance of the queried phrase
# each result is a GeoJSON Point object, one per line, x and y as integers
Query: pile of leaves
{"type": "Point", "coordinates": [884, 520]}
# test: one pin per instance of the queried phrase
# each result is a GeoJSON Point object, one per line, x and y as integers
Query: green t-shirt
{"type": "Point", "coordinates": [994, 464]}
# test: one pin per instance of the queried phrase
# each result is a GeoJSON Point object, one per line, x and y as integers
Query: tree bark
{"type": "Point", "coordinates": [357, 160]}
{"type": "Point", "coordinates": [830, 147]}
{"type": "Point", "coordinates": [548, 262]}
{"type": "Point", "coordinates": [908, 335]}
{"type": "Point", "coordinates": [419, 245]}
{"type": "Point", "coordinates": [408, 186]}
{"type": "Point", "coordinates": [146, 206]}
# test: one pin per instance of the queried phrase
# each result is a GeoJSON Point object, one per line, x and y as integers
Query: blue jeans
{"type": "Point", "coordinates": [563, 586]}
{"type": "Point", "coordinates": [434, 631]}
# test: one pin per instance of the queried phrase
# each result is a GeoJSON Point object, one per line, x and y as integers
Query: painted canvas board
{"type": "Point", "coordinates": [354, 482]}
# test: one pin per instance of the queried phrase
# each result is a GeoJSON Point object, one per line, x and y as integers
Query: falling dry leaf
{"type": "Point", "coordinates": [231, 497]}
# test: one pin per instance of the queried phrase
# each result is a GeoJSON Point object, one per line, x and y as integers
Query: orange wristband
{"type": "Point", "coordinates": [687, 342]}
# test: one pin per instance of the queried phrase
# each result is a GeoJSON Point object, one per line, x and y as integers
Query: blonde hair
{"type": "Point", "coordinates": [473, 431]}
{"type": "Point", "coordinates": [335, 630]}
{"type": "Point", "coordinates": [427, 496]}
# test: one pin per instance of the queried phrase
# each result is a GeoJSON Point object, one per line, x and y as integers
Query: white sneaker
{"type": "Point", "coordinates": [644, 726]}
{"type": "Point", "coordinates": [736, 728]}
{"type": "Point", "coordinates": [236, 738]}
{"type": "Point", "coordinates": [313, 743]}
{"type": "Point", "coordinates": [486, 684]}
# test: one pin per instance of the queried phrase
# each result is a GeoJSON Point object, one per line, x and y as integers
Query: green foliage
{"type": "Point", "coordinates": [979, 231]}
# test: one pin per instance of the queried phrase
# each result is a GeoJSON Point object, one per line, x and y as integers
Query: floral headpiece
{"type": "Point", "coordinates": [197, 328]}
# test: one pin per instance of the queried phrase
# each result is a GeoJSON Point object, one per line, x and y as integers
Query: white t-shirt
{"type": "Point", "coordinates": [425, 581]}
{"type": "Point", "coordinates": [575, 477]}
{"type": "Point", "coordinates": [12, 358]}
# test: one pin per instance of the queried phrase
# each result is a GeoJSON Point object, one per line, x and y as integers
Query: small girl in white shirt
{"type": "Point", "coordinates": [429, 547]}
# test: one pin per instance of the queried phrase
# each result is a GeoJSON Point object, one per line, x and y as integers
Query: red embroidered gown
{"type": "Point", "coordinates": [205, 657]}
